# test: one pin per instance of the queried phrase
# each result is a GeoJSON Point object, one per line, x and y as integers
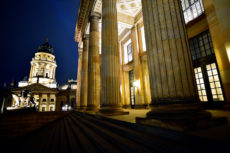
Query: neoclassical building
{"type": "Point", "coordinates": [43, 67]}
{"type": "Point", "coordinates": [42, 85]}
{"type": "Point", "coordinates": [136, 52]}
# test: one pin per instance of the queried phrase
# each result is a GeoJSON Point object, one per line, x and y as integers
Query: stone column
{"type": "Point", "coordinates": [54, 69]}
{"type": "Point", "coordinates": [31, 71]}
{"type": "Point", "coordinates": [122, 86]}
{"type": "Point", "coordinates": [84, 73]}
{"type": "Point", "coordinates": [138, 78]}
{"type": "Point", "coordinates": [94, 64]}
{"type": "Point", "coordinates": [44, 72]}
{"type": "Point", "coordinates": [217, 12]}
{"type": "Point", "coordinates": [39, 104]}
{"type": "Point", "coordinates": [50, 71]}
{"type": "Point", "coordinates": [78, 92]}
{"type": "Point", "coordinates": [110, 68]}
{"type": "Point", "coordinates": [48, 102]}
{"type": "Point", "coordinates": [169, 59]}
{"type": "Point", "coordinates": [39, 69]}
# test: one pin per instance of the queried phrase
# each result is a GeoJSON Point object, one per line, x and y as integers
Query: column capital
{"type": "Point", "coordinates": [95, 15]}
{"type": "Point", "coordinates": [85, 37]}
{"type": "Point", "coordinates": [80, 49]}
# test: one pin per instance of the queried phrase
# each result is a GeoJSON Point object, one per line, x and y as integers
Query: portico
{"type": "Point", "coordinates": [139, 54]}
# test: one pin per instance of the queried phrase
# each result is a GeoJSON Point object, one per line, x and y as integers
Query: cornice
{"type": "Point", "coordinates": [82, 20]}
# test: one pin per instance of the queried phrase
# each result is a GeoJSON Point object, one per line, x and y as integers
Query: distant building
{"type": "Point", "coordinates": [42, 85]}
{"type": "Point", "coordinates": [66, 97]}
{"type": "Point", "coordinates": [43, 68]}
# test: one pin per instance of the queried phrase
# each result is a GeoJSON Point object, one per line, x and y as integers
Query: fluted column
{"type": "Point", "coordinates": [110, 68]}
{"type": "Point", "coordinates": [169, 59]}
{"type": "Point", "coordinates": [78, 92]}
{"type": "Point", "coordinates": [44, 72]}
{"type": "Point", "coordinates": [31, 71]}
{"type": "Point", "coordinates": [94, 64]}
{"type": "Point", "coordinates": [50, 71]}
{"type": "Point", "coordinates": [84, 73]}
{"type": "Point", "coordinates": [39, 69]}
{"type": "Point", "coordinates": [54, 69]}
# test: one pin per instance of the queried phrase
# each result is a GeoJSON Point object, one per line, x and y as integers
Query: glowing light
{"type": "Point", "coordinates": [227, 46]}
{"type": "Point", "coordinates": [66, 108]}
{"type": "Point", "coordinates": [136, 84]}
{"type": "Point", "coordinates": [11, 108]}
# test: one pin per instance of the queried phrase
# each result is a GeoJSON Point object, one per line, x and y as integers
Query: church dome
{"type": "Point", "coordinates": [46, 47]}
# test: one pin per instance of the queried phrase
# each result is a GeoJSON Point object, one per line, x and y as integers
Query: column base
{"type": "Point", "coordinates": [111, 110]}
{"type": "Point", "coordinates": [81, 108]}
{"type": "Point", "coordinates": [140, 107]}
{"type": "Point", "coordinates": [92, 108]}
{"type": "Point", "coordinates": [182, 117]}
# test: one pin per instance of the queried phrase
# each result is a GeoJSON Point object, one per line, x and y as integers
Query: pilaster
{"type": "Point", "coordinates": [138, 76]}
{"type": "Point", "coordinates": [217, 12]}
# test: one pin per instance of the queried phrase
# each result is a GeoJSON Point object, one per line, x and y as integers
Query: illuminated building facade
{"type": "Point", "coordinates": [42, 84]}
{"type": "Point", "coordinates": [43, 67]}
{"type": "Point", "coordinates": [136, 52]}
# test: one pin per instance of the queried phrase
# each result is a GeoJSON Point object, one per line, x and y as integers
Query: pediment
{"type": "Point", "coordinates": [36, 87]}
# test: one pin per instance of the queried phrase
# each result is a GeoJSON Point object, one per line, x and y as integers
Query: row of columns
{"type": "Point", "coordinates": [169, 60]}
{"type": "Point", "coordinates": [51, 71]}
{"type": "Point", "coordinates": [101, 87]}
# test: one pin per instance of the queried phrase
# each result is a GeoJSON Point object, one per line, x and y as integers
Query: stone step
{"type": "Point", "coordinates": [84, 133]}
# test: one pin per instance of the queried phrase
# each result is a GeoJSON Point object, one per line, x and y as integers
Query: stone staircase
{"type": "Point", "coordinates": [16, 124]}
{"type": "Point", "coordinates": [85, 133]}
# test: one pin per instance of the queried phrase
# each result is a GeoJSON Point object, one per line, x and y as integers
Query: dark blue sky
{"type": "Point", "coordinates": [25, 24]}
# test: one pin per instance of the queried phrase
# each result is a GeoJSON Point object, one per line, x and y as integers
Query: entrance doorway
{"type": "Point", "coordinates": [132, 88]}
{"type": "Point", "coordinates": [206, 71]}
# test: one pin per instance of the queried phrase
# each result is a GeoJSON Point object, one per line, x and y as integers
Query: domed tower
{"type": "Point", "coordinates": [43, 66]}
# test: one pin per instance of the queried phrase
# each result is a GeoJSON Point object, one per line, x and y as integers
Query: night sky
{"type": "Point", "coordinates": [25, 24]}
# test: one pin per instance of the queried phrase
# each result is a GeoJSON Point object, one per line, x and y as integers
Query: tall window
{"type": "Point", "coordinates": [214, 81]}
{"type": "Point", "coordinates": [206, 71]}
{"type": "Point", "coordinates": [201, 45]}
{"type": "Point", "coordinates": [129, 52]}
{"type": "Point", "coordinates": [200, 84]}
{"type": "Point", "coordinates": [192, 9]}
{"type": "Point", "coordinates": [128, 57]}
{"type": "Point", "coordinates": [143, 39]}
{"type": "Point", "coordinates": [42, 71]}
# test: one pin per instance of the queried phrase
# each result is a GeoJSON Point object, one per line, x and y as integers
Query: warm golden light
{"type": "Point", "coordinates": [227, 46]}
{"type": "Point", "coordinates": [136, 84]}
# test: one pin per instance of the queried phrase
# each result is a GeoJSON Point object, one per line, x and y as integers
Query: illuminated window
{"type": "Point", "coordinates": [192, 9]}
{"type": "Point", "coordinates": [129, 52]}
{"type": "Point", "coordinates": [200, 84]}
{"type": "Point", "coordinates": [128, 57]}
{"type": "Point", "coordinates": [143, 38]}
{"type": "Point", "coordinates": [42, 71]}
{"type": "Point", "coordinates": [201, 46]}
{"type": "Point", "coordinates": [214, 81]}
